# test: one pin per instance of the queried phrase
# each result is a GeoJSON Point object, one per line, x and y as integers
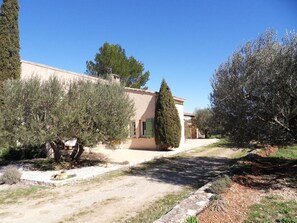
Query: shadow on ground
{"type": "Point", "coordinates": [187, 171]}
{"type": "Point", "coordinates": [260, 172]}
{"type": "Point", "coordinates": [253, 171]}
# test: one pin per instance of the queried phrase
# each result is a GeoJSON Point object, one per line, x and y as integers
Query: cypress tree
{"type": "Point", "coordinates": [167, 122]}
{"type": "Point", "coordinates": [9, 41]}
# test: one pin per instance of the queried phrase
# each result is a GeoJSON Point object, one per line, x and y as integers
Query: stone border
{"type": "Point", "coordinates": [190, 206]}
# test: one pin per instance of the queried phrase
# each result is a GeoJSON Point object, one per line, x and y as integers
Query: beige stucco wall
{"type": "Point", "coordinates": [29, 69]}
{"type": "Point", "coordinates": [144, 103]}
{"type": "Point", "coordinates": [144, 100]}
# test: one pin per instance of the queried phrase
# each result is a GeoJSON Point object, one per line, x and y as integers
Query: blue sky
{"type": "Point", "coordinates": [183, 41]}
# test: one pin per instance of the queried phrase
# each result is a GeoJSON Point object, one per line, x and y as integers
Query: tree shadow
{"type": "Point", "coordinates": [260, 172]}
{"type": "Point", "coordinates": [252, 171]}
{"type": "Point", "coordinates": [186, 171]}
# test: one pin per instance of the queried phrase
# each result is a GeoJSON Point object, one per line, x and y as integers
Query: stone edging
{"type": "Point", "coordinates": [190, 206]}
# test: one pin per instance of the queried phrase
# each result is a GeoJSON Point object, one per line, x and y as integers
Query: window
{"type": "Point", "coordinates": [143, 129]}
{"type": "Point", "coordinates": [147, 128]}
{"type": "Point", "coordinates": [132, 129]}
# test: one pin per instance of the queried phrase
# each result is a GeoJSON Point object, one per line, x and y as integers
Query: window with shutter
{"type": "Point", "coordinates": [149, 128]}
{"type": "Point", "coordinates": [132, 129]}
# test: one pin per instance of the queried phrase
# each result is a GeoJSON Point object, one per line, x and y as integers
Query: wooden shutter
{"type": "Point", "coordinates": [149, 128]}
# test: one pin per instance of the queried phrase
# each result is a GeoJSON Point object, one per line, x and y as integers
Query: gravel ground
{"type": "Point", "coordinates": [132, 157]}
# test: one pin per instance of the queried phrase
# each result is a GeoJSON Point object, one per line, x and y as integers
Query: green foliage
{"type": "Point", "coordinates": [160, 207]}
{"type": "Point", "coordinates": [35, 113]}
{"type": "Point", "coordinates": [192, 219]}
{"type": "Point", "coordinates": [3, 143]}
{"type": "Point", "coordinates": [288, 152]}
{"type": "Point", "coordinates": [254, 93]}
{"type": "Point", "coordinates": [204, 120]}
{"type": "Point", "coordinates": [32, 111]}
{"type": "Point", "coordinates": [114, 57]}
{"type": "Point", "coordinates": [219, 186]}
{"type": "Point", "coordinates": [20, 153]}
{"type": "Point", "coordinates": [167, 122]}
{"type": "Point", "coordinates": [11, 175]}
{"type": "Point", "coordinates": [97, 112]}
{"type": "Point", "coordinates": [273, 209]}
{"type": "Point", "coordinates": [9, 41]}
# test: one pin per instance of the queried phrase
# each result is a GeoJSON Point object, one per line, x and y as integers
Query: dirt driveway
{"type": "Point", "coordinates": [118, 198]}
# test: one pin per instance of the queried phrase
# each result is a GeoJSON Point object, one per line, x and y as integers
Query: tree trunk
{"type": "Point", "coordinates": [206, 133]}
{"type": "Point", "coordinates": [57, 146]}
{"type": "Point", "coordinates": [80, 152]}
{"type": "Point", "coordinates": [77, 152]}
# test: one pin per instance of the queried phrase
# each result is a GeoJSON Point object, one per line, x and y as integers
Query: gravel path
{"type": "Point", "coordinates": [132, 157]}
{"type": "Point", "coordinates": [117, 199]}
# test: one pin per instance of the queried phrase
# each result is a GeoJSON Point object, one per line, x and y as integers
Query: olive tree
{"type": "Point", "coordinates": [36, 113]}
{"type": "Point", "coordinates": [254, 92]}
{"type": "Point", "coordinates": [203, 118]}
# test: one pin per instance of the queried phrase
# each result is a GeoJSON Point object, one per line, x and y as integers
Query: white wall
{"type": "Point", "coordinates": [180, 109]}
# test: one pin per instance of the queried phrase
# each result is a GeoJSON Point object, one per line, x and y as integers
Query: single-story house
{"type": "Point", "coordinates": [141, 128]}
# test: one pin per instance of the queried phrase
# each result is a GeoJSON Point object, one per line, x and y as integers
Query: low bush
{"type": "Point", "coordinates": [217, 203]}
{"type": "Point", "coordinates": [11, 175]}
{"type": "Point", "coordinates": [220, 185]}
{"type": "Point", "coordinates": [18, 153]}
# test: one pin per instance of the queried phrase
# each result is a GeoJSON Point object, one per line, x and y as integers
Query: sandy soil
{"type": "Point", "coordinates": [266, 176]}
{"type": "Point", "coordinates": [120, 198]}
{"type": "Point", "coordinates": [237, 200]}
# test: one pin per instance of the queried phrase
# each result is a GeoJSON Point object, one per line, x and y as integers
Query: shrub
{"type": "Point", "coordinates": [192, 219]}
{"type": "Point", "coordinates": [217, 203]}
{"type": "Point", "coordinates": [11, 175]}
{"type": "Point", "coordinates": [19, 153]}
{"type": "Point", "coordinates": [220, 185]}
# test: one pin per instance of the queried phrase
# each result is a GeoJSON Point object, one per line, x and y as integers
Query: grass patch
{"type": "Point", "coordinates": [273, 209]}
{"type": "Point", "coordinates": [77, 215]}
{"type": "Point", "coordinates": [192, 219]}
{"type": "Point", "coordinates": [288, 152]}
{"type": "Point", "coordinates": [151, 164]}
{"type": "Point", "coordinates": [160, 207]}
{"type": "Point", "coordinates": [103, 178]}
{"type": "Point", "coordinates": [14, 195]}
{"type": "Point", "coordinates": [223, 142]}
{"type": "Point", "coordinates": [197, 150]}
{"type": "Point", "coordinates": [240, 153]}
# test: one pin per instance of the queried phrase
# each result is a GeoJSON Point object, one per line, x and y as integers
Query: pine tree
{"type": "Point", "coordinates": [167, 122]}
{"type": "Point", "coordinates": [9, 41]}
{"type": "Point", "coordinates": [113, 58]}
